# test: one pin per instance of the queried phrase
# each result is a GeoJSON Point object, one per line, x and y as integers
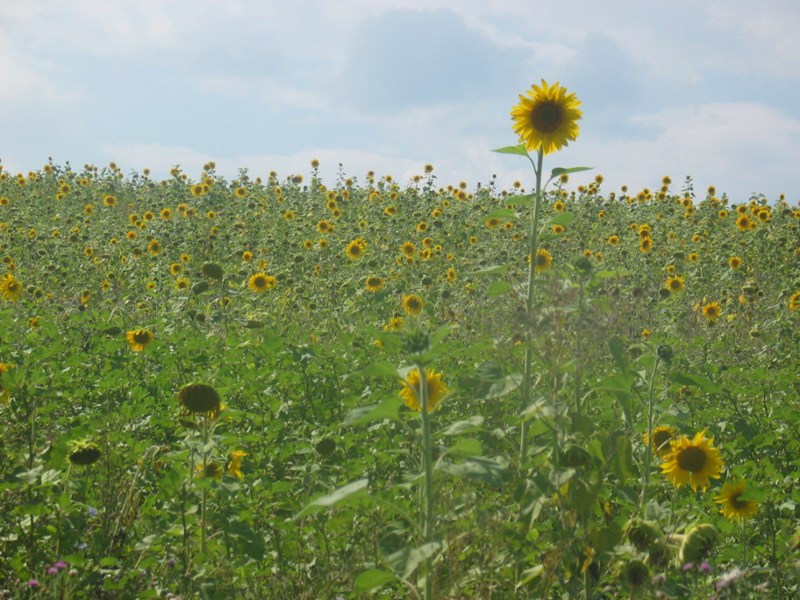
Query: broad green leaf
{"type": "Point", "coordinates": [347, 493]}
{"type": "Point", "coordinates": [488, 470]}
{"type": "Point", "coordinates": [440, 334]}
{"type": "Point", "coordinates": [561, 170]}
{"type": "Point", "coordinates": [504, 386]}
{"type": "Point", "coordinates": [520, 200]}
{"type": "Point", "coordinates": [491, 270]}
{"type": "Point", "coordinates": [466, 447]}
{"type": "Point", "coordinates": [518, 149]}
{"type": "Point", "coordinates": [388, 409]}
{"type": "Point", "coordinates": [696, 380]}
{"type": "Point", "coordinates": [621, 382]}
{"type": "Point", "coordinates": [378, 369]}
{"type": "Point", "coordinates": [372, 580]}
{"type": "Point", "coordinates": [474, 423]}
{"type": "Point", "coordinates": [502, 213]}
{"type": "Point", "coordinates": [498, 288]}
{"type": "Point", "coordinates": [620, 353]}
{"type": "Point", "coordinates": [564, 218]}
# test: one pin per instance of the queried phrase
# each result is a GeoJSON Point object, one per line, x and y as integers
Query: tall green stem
{"type": "Point", "coordinates": [533, 237]}
{"type": "Point", "coordinates": [648, 455]}
{"type": "Point", "coordinates": [427, 462]}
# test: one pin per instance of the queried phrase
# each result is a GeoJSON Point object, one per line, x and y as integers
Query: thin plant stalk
{"type": "Point", "coordinates": [648, 455]}
{"type": "Point", "coordinates": [427, 463]}
{"type": "Point", "coordinates": [533, 236]}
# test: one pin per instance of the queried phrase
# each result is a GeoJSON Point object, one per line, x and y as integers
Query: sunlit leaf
{"type": "Point", "coordinates": [518, 149]}
{"type": "Point", "coordinates": [348, 493]}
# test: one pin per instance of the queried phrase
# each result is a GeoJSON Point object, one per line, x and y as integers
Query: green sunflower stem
{"type": "Point", "coordinates": [427, 463]}
{"type": "Point", "coordinates": [648, 455]}
{"type": "Point", "coordinates": [527, 375]}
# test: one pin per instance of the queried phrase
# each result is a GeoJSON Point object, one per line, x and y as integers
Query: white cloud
{"type": "Point", "coordinates": [741, 148]}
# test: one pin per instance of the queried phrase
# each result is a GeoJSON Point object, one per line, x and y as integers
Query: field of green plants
{"type": "Point", "coordinates": [210, 388]}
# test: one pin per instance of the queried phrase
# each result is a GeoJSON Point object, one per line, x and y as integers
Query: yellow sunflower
{"type": "Point", "coordinates": [546, 119]}
{"type": "Point", "coordinates": [261, 282]}
{"type": "Point", "coordinates": [139, 339]}
{"type": "Point", "coordinates": [544, 260]}
{"type": "Point", "coordinates": [794, 301]}
{"type": "Point", "coordinates": [412, 390]}
{"type": "Point", "coordinates": [675, 283]}
{"type": "Point", "coordinates": [712, 311]}
{"type": "Point", "coordinates": [661, 442]}
{"type": "Point", "coordinates": [693, 462]}
{"type": "Point", "coordinates": [373, 283]}
{"type": "Point", "coordinates": [10, 288]}
{"type": "Point", "coordinates": [355, 249]}
{"type": "Point", "coordinates": [413, 304]}
{"type": "Point", "coordinates": [731, 505]}
{"type": "Point", "coordinates": [235, 465]}
{"type": "Point", "coordinates": [734, 262]}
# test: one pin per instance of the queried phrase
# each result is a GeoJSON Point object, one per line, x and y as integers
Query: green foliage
{"type": "Point", "coordinates": [307, 483]}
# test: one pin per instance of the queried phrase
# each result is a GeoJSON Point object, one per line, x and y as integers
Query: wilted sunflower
{"type": "Point", "coordinates": [199, 398]}
{"type": "Point", "coordinates": [547, 118]}
{"type": "Point", "coordinates": [261, 282]}
{"type": "Point", "coordinates": [139, 339]}
{"type": "Point", "coordinates": [693, 462]}
{"type": "Point", "coordinates": [84, 452]}
{"type": "Point", "coordinates": [413, 304]}
{"type": "Point", "coordinates": [732, 507]}
{"type": "Point", "coordinates": [10, 288]}
{"type": "Point", "coordinates": [411, 390]}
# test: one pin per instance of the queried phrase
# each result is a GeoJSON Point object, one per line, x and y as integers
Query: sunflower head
{"type": "Point", "coordinates": [199, 398]}
{"type": "Point", "coordinates": [412, 390]}
{"type": "Point", "coordinates": [84, 452]}
{"type": "Point", "coordinates": [693, 462]}
{"type": "Point", "coordinates": [546, 118]}
{"type": "Point", "coordinates": [732, 505]}
{"type": "Point", "coordinates": [698, 544]}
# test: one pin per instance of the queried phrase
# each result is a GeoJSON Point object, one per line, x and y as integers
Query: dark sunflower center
{"type": "Point", "coordinates": [661, 438]}
{"type": "Point", "coordinates": [692, 459]}
{"type": "Point", "coordinates": [141, 337]}
{"type": "Point", "coordinates": [675, 284]}
{"type": "Point", "coordinates": [260, 282]}
{"type": "Point", "coordinates": [541, 260]}
{"type": "Point", "coordinates": [13, 286]}
{"type": "Point", "coordinates": [547, 117]}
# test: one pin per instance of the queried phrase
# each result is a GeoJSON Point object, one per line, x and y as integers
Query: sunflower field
{"type": "Point", "coordinates": [213, 388]}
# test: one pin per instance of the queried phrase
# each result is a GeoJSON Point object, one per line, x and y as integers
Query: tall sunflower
{"type": "Point", "coordinates": [693, 462]}
{"type": "Point", "coordinates": [546, 118]}
{"type": "Point", "coordinates": [412, 389]}
{"type": "Point", "coordinates": [731, 505]}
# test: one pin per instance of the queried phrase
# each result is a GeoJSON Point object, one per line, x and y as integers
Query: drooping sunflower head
{"type": "Point", "coordinates": [732, 506]}
{"type": "Point", "coordinates": [693, 462]}
{"type": "Point", "coordinates": [547, 118]}
{"type": "Point", "coordinates": [199, 398]}
{"type": "Point", "coordinates": [412, 390]}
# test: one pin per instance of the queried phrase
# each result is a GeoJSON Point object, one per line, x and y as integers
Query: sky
{"type": "Point", "coordinates": [707, 89]}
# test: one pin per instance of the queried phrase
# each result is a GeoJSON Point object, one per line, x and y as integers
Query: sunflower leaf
{"type": "Point", "coordinates": [502, 213]}
{"type": "Point", "coordinates": [562, 171]}
{"type": "Point", "coordinates": [521, 200]}
{"type": "Point", "coordinates": [518, 149]}
{"type": "Point", "coordinates": [372, 580]}
{"type": "Point", "coordinates": [388, 409]}
{"type": "Point", "coordinates": [351, 491]}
